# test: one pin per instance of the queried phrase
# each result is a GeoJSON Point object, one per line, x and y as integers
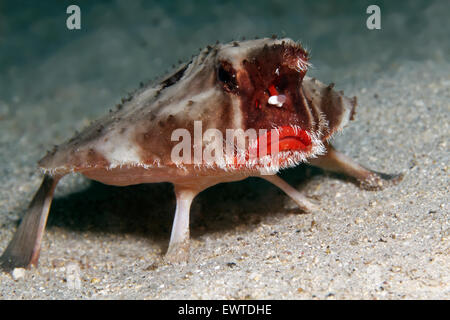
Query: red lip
{"type": "Point", "coordinates": [288, 139]}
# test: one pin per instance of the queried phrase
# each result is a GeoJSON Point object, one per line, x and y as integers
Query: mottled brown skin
{"type": "Point", "coordinates": [229, 86]}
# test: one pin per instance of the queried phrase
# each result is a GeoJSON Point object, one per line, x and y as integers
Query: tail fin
{"type": "Point", "coordinates": [23, 250]}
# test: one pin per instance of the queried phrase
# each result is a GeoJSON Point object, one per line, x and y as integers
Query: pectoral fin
{"type": "Point", "coordinates": [23, 250]}
{"type": "Point", "coordinates": [368, 179]}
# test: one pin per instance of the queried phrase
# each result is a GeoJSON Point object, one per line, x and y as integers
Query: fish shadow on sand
{"type": "Point", "coordinates": [147, 210]}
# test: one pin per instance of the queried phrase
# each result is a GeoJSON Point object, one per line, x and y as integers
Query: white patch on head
{"type": "Point", "coordinates": [277, 100]}
{"type": "Point", "coordinates": [120, 149]}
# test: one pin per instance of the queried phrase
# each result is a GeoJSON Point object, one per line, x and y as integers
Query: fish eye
{"type": "Point", "coordinates": [227, 76]}
{"type": "Point", "coordinates": [224, 75]}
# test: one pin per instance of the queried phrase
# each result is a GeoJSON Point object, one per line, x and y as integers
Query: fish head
{"type": "Point", "coordinates": [256, 89]}
{"type": "Point", "coordinates": [264, 79]}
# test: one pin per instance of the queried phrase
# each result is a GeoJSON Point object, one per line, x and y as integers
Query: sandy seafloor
{"type": "Point", "coordinates": [248, 239]}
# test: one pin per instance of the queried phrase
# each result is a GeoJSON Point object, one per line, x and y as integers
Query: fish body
{"type": "Point", "coordinates": [234, 111]}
